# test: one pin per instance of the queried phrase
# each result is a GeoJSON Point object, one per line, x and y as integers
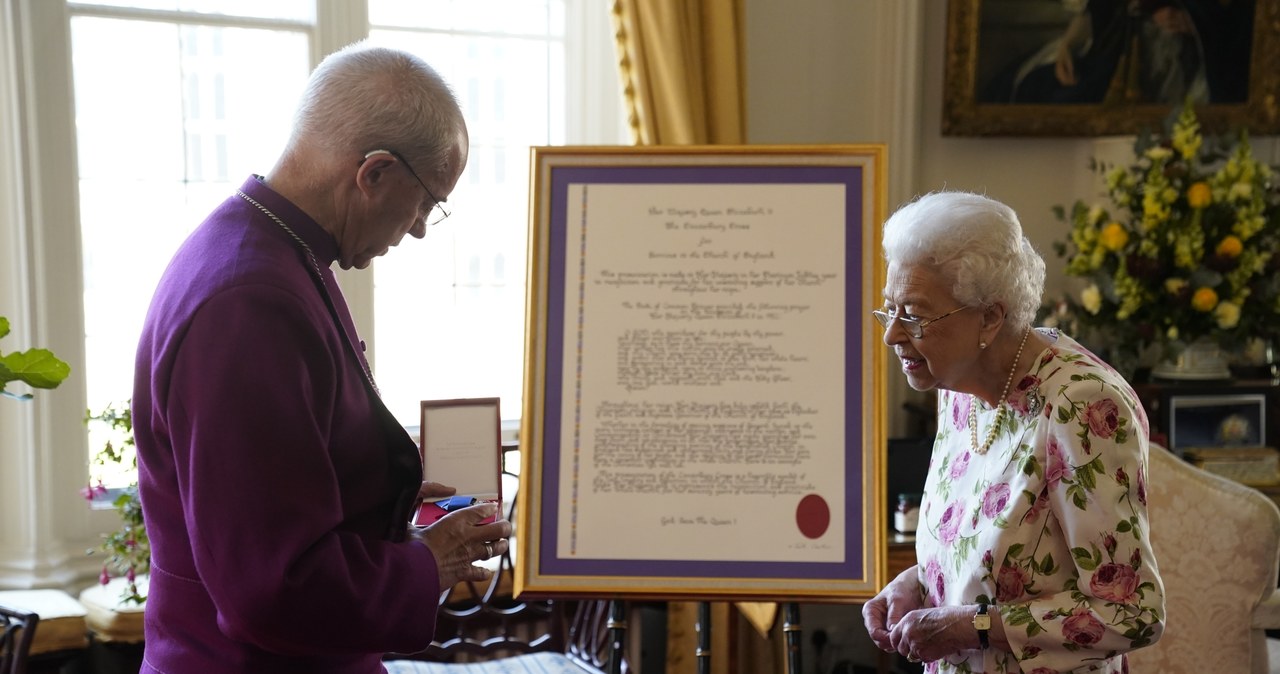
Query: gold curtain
{"type": "Point", "coordinates": [681, 63]}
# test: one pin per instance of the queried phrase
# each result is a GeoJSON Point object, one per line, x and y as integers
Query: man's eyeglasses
{"type": "Point", "coordinates": [438, 205]}
{"type": "Point", "coordinates": [912, 324]}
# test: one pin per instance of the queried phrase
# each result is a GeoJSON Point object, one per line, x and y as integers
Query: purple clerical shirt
{"type": "Point", "coordinates": [274, 483]}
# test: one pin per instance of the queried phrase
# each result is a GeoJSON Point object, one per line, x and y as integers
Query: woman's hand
{"type": "Point", "coordinates": [459, 539]}
{"type": "Point", "coordinates": [887, 609]}
{"type": "Point", "coordinates": [929, 634]}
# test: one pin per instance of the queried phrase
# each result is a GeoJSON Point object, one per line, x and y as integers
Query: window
{"type": "Point", "coordinates": [211, 86]}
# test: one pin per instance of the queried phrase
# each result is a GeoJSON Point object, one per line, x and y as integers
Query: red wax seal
{"type": "Point", "coordinates": [813, 516]}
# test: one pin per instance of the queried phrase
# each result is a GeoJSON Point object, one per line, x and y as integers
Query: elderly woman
{"type": "Point", "coordinates": [1032, 549]}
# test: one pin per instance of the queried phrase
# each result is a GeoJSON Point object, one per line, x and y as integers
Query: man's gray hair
{"type": "Point", "coordinates": [365, 98]}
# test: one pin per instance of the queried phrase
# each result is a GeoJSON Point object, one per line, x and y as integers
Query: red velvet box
{"type": "Point", "coordinates": [461, 444]}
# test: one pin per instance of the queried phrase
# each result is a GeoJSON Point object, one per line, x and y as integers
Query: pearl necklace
{"type": "Point", "coordinates": [1003, 407]}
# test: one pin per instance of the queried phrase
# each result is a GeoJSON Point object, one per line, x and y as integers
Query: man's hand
{"type": "Point", "coordinates": [458, 539]}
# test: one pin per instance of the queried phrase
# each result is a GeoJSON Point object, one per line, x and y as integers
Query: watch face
{"type": "Point", "coordinates": [982, 622]}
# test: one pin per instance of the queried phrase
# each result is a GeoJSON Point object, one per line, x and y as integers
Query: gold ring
{"type": "Point", "coordinates": [488, 550]}
{"type": "Point", "coordinates": [912, 657]}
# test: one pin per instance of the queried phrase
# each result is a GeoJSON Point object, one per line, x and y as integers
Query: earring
{"type": "Point", "coordinates": [982, 345]}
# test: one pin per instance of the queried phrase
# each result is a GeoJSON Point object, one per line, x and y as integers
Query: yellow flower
{"type": "Point", "coordinates": [1240, 191]}
{"type": "Point", "coordinates": [1154, 211]}
{"type": "Point", "coordinates": [1205, 299]}
{"type": "Point", "coordinates": [1199, 195]}
{"type": "Point", "coordinates": [1187, 210]}
{"type": "Point", "coordinates": [1114, 236]}
{"type": "Point", "coordinates": [1186, 133]}
{"type": "Point", "coordinates": [1091, 299]}
{"type": "Point", "coordinates": [1230, 247]}
{"type": "Point", "coordinates": [1227, 314]}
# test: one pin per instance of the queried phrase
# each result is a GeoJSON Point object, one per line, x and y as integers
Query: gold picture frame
{"type": "Point", "coordinates": [722, 289]}
{"type": "Point", "coordinates": [989, 44]}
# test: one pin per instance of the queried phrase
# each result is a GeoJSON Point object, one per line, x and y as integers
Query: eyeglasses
{"type": "Point", "coordinates": [438, 205]}
{"type": "Point", "coordinates": [913, 325]}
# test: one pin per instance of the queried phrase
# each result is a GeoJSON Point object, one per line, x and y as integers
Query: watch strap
{"type": "Point", "coordinates": [982, 623]}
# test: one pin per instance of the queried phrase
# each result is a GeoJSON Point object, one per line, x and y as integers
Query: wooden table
{"type": "Point", "coordinates": [901, 554]}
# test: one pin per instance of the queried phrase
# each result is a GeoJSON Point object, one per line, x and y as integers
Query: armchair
{"type": "Point", "coordinates": [1217, 543]}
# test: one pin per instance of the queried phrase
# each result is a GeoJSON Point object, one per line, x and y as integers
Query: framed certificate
{"type": "Point", "coordinates": [461, 446]}
{"type": "Point", "coordinates": [703, 408]}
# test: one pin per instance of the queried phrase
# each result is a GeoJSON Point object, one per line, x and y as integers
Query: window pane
{"type": "Point", "coordinates": [514, 17]}
{"type": "Point", "coordinates": [206, 107]}
{"type": "Point", "coordinates": [449, 310]}
{"type": "Point", "coordinates": [297, 10]}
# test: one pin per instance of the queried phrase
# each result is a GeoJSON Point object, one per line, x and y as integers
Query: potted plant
{"type": "Point", "coordinates": [127, 549]}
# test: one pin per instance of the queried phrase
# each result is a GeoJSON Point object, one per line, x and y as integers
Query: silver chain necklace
{"type": "Point", "coordinates": [315, 269]}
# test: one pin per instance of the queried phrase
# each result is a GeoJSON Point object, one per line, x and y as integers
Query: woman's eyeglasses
{"type": "Point", "coordinates": [913, 325]}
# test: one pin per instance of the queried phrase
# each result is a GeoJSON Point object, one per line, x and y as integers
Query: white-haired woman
{"type": "Point", "coordinates": [1032, 549]}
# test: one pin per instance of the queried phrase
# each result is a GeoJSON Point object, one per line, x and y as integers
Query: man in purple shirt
{"type": "Point", "coordinates": [276, 486]}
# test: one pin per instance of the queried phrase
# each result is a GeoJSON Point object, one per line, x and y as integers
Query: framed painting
{"type": "Point", "coordinates": [1109, 67]}
{"type": "Point", "coordinates": [703, 407]}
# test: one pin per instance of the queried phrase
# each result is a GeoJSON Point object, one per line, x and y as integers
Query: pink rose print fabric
{"type": "Point", "coordinates": [1050, 525]}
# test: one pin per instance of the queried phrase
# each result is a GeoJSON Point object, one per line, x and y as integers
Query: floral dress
{"type": "Point", "coordinates": [1050, 525]}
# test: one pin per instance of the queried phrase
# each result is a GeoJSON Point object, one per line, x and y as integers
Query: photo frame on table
{"type": "Point", "coordinates": [999, 72]}
{"type": "Point", "coordinates": [703, 401]}
{"type": "Point", "coordinates": [461, 444]}
{"type": "Point", "coordinates": [1217, 421]}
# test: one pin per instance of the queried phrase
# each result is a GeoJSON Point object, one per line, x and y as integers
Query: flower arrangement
{"type": "Point", "coordinates": [128, 549]}
{"type": "Point", "coordinates": [1186, 250]}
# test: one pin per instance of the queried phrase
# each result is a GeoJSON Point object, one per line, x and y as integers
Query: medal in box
{"type": "Point", "coordinates": [461, 445]}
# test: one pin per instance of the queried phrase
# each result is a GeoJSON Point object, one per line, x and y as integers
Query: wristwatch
{"type": "Point", "coordinates": [982, 623]}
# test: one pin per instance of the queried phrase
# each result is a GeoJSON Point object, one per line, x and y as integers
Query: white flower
{"type": "Point", "coordinates": [1227, 315]}
{"type": "Point", "coordinates": [1240, 191]}
{"type": "Point", "coordinates": [1091, 299]}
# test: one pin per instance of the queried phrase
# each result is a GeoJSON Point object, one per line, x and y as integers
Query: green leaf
{"type": "Point", "coordinates": [4, 326]}
{"type": "Point", "coordinates": [39, 368]}
{"type": "Point", "coordinates": [1019, 615]}
{"type": "Point", "coordinates": [1085, 477]}
{"type": "Point", "coordinates": [1085, 559]}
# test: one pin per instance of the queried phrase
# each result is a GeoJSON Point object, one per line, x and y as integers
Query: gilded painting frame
{"type": "Point", "coordinates": [969, 107]}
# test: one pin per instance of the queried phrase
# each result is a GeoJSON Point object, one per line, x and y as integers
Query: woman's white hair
{"type": "Point", "coordinates": [977, 243]}
{"type": "Point", "coordinates": [364, 98]}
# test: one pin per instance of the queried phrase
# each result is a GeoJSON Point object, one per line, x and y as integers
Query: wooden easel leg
{"type": "Point", "coordinates": [791, 633]}
{"type": "Point", "coordinates": [704, 638]}
{"type": "Point", "coordinates": [617, 626]}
